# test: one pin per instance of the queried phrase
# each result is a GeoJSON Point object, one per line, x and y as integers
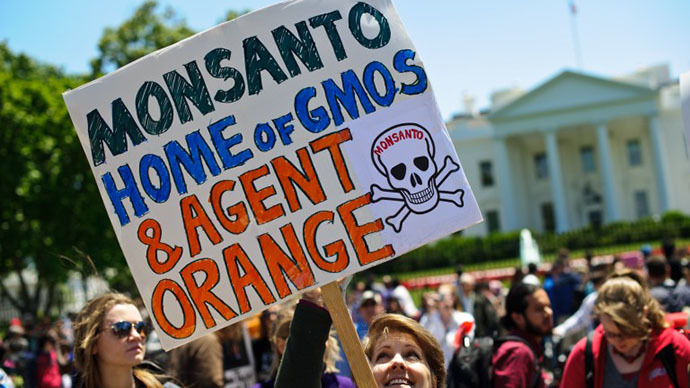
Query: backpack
{"type": "Point", "coordinates": [471, 365]}
{"type": "Point", "coordinates": [667, 357]}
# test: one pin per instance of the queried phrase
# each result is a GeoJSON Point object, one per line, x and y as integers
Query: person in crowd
{"type": "Point", "coordinates": [109, 337]}
{"type": "Point", "coordinates": [646, 251]}
{"type": "Point", "coordinates": [237, 366]}
{"type": "Point", "coordinates": [668, 247]}
{"type": "Point", "coordinates": [531, 277]}
{"type": "Point", "coordinates": [499, 292]}
{"type": "Point", "coordinates": [584, 288]}
{"type": "Point", "coordinates": [393, 306]}
{"type": "Point", "coordinates": [477, 305]}
{"type": "Point", "coordinates": [402, 294]}
{"type": "Point", "coordinates": [261, 347]}
{"type": "Point", "coordinates": [5, 380]}
{"type": "Point", "coordinates": [529, 317]}
{"type": "Point", "coordinates": [48, 362]}
{"type": "Point", "coordinates": [518, 275]}
{"type": "Point", "coordinates": [628, 346]}
{"type": "Point", "coordinates": [354, 298]}
{"type": "Point", "coordinates": [466, 293]}
{"type": "Point", "coordinates": [617, 264]}
{"type": "Point", "coordinates": [329, 378]}
{"type": "Point", "coordinates": [372, 284]}
{"type": "Point", "coordinates": [459, 270]}
{"type": "Point", "coordinates": [18, 357]}
{"type": "Point", "coordinates": [675, 270]}
{"type": "Point", "coordinates": [560, 285]}
{"type": "Point", "coordinates": [583, 318]}
{"type": "Point", "coordinates": [370, 306]}
{"type": "Point", "coordinates": [589, 255]}
{"type": "Point", "coordinates": [450, 292]}
{"type": "Point", "coordinates": [198, 364]}
{"type": "Point", "coordinates": [443, 324]}
{"type": "Point", "coordinates": [657, 273]}
{"type": "Point", "coordinates": [400, 351]}
{"type": "Point", "coordinates": [429, 299]}
{"type": "Point", "coordinates": [682, 291]}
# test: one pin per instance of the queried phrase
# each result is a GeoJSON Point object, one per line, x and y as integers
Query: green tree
{"type": "Point", "coordinates": [232, 14]}
{"type": "Point", "coordinates": [51, 209]}
{"type": "Point", "coordinates": [53, 220]}
{"type": "Point", "coordinates": [146, 31]}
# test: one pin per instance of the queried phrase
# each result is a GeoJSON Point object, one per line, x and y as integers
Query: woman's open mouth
{"type": "Point", "coordinates": [399, 382]}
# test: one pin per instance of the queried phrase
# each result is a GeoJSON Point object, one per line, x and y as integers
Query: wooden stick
{"type": "Point", "coordinates": [348, 336]}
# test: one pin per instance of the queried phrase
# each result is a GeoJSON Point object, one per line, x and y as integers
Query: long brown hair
{"type": "Point", "coordinates": [86, 331]}
{"type": "Point", "coordinates": [624, 298]}
{"type": "Point", "coordinates": [386, 324]}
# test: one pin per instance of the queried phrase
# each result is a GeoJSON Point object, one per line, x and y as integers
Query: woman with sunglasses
{"type": "Point", "coordinates": [109, 344]}
{"type": "Point", "coordinates": [632, 344]}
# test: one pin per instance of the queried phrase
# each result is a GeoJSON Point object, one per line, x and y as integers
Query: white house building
{"type": "Point", "coordinates": [577, 150]}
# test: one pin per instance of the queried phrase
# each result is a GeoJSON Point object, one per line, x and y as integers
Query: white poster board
{"type": "Point", "coordinates": [271, 154]}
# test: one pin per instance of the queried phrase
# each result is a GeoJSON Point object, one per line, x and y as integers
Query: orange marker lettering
{"type": "Point", "coordinates": [201, 295]}
{"type": "Point", "coordinates": [194, 216]}
{"type": "Point", "coordinates": [256, 197]}
{"type": "Point", "coordinates": [289, 176]}
{"type": "Point", "coordinates": [237, 211]}
{"type": "Point", "coordinates": [155, 245]}
{"type": "Point", "coordinates": [332, 142]}
{"type": "Point", "coordinates": [336, 248]}
{"type": "Point", "coordinates": [277, 261]}
{"type": "Point", "coordinates": [357, 232]}
{"type": "Point", "coordinates": [189, 322]}
{"type": "Point", "coordinates": [236, 259]}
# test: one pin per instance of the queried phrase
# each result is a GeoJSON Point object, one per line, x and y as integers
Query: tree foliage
{"type": "Point", "coordinates": [53, 220]}
{"type": "Point", "coordinates": [51, 208]}
{"type": "Point", "coordinates": [146, 31]}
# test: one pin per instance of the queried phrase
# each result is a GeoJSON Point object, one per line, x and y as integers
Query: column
{"type": "Point", "coordinates": [659, 163]}
{"type": "Point", "coordinates": [557, 185]}
{"type": "Point", "coordinates": [607, 175]}
{"type": "Point", "coordinates": [506, 186]}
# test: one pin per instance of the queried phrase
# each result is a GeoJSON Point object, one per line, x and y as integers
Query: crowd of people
{"type": "Point", "coordinates": [580, 323]}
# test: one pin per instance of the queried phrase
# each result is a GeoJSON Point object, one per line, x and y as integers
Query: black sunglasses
{"type": "Point", "coordinates": [122, 329]}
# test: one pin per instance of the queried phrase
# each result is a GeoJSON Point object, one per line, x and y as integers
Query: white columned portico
{"type": "Point", "coordinates": [505, 183]}
{"type": "Point", "coordinates": [556, 178]}
{"type": "Point", "coordinates": [607, 175]}
{"type": "Point", "coordinates": [659, 163]}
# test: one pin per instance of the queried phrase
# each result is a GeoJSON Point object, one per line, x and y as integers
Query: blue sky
{"type": "Point", "coordinates": [472, 47]}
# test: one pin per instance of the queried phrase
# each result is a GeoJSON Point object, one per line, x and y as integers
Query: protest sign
{"type": "Point", "coordinates": [685, 105]}
{"type": "Point", "coordinates": [269, 155]}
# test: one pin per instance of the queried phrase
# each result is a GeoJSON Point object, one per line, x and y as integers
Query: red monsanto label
{"type": "Point", "coordinates": [395, 137]}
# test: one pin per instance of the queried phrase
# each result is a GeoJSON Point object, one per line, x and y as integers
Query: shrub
{"type": "Point", "coordinates": [457, 249]}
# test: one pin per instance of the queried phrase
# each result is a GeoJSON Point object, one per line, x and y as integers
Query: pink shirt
{"type": "Point", "coordinates": [48, 371]}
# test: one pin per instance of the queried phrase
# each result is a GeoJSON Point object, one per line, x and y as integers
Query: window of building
{"type": "Point", "coordinates": [641, 204]}
{"type": "Point", "coordinates": [486, 172]}
{"type": "Point", "coordinates": [492, 221]}
{"type": "Point", "coordinates": [548, 220]}
{"type": "Point", "coordinates": [587, 156]}
{"type": "Point", "coordinates": [634, 153]}
{"type": "Point", "coordinates": [540, 165]}
{"type": "Point", "coordinates": [595, 218]}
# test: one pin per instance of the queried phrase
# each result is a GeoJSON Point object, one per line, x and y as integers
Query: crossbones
{"type": "Point", "coordinates": [404, 154]}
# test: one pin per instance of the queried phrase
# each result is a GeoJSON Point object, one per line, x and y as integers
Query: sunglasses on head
{"type": "Point", "coordinates": [122, 329]}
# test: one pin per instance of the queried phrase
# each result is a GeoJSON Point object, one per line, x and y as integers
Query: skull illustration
{"type": "Point", "coordinates": [404, 154]}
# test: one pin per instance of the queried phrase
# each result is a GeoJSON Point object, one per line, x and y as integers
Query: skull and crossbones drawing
{"type": "Point", "coordinates": [404, 154]}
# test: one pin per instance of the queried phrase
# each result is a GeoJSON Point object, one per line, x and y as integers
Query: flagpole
{"type": "Point", "coordinates": [576, 39]}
